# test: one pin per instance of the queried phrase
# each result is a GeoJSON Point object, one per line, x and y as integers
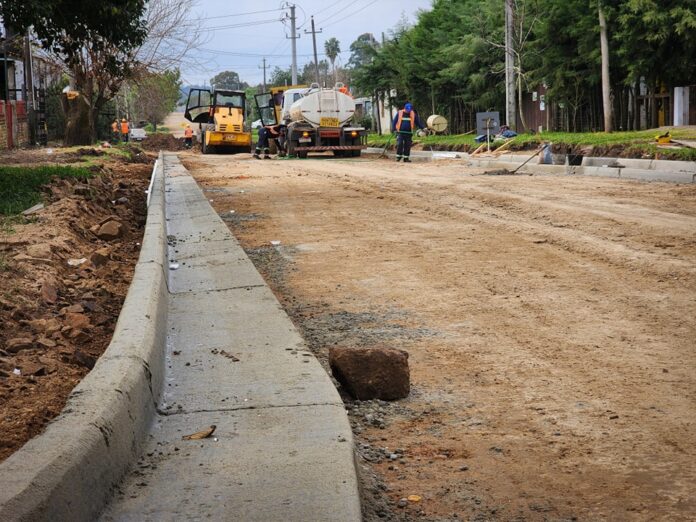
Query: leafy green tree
{"type": "Point", "coordinates": [97, 45]}
{"type": "Point", "coordinates": [155, 95]}
{"type": "Point", "coordinates": [228, 80]}
{"type": "Point", "coordinates": [281, 77]}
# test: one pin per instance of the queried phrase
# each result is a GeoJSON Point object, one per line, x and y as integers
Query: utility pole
{"type": "Point", "coordinates": [4, 57]}
{"type": "Point", "coordinates": [314, 41]}
{"type": "Point", "coordinates": [264, 67]}
{"type": "Point", "coordinates": [293, 36]}
{"type": "Point", "coordinates": [510, 104]}
{"type": "Point", "coordinates": [29, 89]}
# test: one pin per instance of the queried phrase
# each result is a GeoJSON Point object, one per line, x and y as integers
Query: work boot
{"type": "Point", "coordinates": [267, 156]}
{"type": "Point", "coordinates": [407, 160]}
{"type": "Point", "coordinates": [398, 158]}
{"type": "Point", "coordinates": [256, 155]}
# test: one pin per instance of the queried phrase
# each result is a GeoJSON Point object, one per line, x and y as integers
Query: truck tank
{"type": "Point", "coordinates": [323, 108]}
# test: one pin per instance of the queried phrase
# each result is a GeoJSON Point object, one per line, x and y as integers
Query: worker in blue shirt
{"type": "Point", "coordinates": [404, 124]}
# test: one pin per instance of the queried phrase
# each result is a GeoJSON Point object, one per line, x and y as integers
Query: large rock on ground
{"type": "Point", "coordinates": [371, 373]}
{"type": "Point", "coordinates": [110, 230]}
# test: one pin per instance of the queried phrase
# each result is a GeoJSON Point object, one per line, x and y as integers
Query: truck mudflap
{"type": "Point", "coordinates": [317, 148]}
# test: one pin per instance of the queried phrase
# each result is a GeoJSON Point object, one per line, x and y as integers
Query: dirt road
{"type": "Point", "coordinates": [549, 322]}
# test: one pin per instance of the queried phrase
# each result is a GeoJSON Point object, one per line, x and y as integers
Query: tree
{"type": "Point", "coordinates": [97, 46]}
{"type": "Point", "coordinates": [281, 76]}
{"type": "Point", "coordinates": [155, 95]}
{"type": "Point", "coordinates": [606, 82]}
{"type": "Point", "coordinates": [332, 47]}
{"type": "Point", "coordinates": [363, 50]}
{"type": "Point", "coordinates": [228, 80]}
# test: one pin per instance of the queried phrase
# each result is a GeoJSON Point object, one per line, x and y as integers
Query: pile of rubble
{"type": "Point", "coordinates": [64, 276]}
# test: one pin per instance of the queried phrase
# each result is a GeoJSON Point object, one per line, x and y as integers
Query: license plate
{"type": "Point", "coordinates": [230, 137]}
{"type": "Point", "coordinates": [329, 122]}
{"type": "Point", "coordinates": [305, 140]}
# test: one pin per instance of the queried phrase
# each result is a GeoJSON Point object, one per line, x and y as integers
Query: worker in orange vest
{"type": "Point", "coordinates": [114, 131]}
{"type": "Point", "coordinates": [404, 124]}
{"type": "Point", "coordinates": [188, 136]}
{"type": "Point", "coordinates": [124, 129]}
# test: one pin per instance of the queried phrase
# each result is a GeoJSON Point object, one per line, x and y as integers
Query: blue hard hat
{"type": "Point", "coordinates": [408, 106]}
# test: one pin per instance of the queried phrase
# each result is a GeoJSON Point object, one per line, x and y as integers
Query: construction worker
{"type": "Point", "coordinates": [404, 124]}
{"type": "Point", "coordinates": [114, 131]}
{"type": "Point", "coordinates": [188, 136]}
{"type": "Point", "coordinates": [124, 129]}
{"type": "Point", "coordinates": [271, 132]}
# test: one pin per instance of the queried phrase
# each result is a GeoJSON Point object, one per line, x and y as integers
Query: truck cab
{"type": "Point", "coordinates": [220, 115]}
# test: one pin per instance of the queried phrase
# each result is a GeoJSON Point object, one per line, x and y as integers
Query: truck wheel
{"type": "Point", "coordinates": [291, 148]}
{"type": "Point", "coordinates": [205, 149]}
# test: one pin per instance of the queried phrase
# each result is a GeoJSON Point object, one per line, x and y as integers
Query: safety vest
{"type": "Point", "coordinates": [188, 132]}
{"type": "Point", "coordinates": [124, 127]}
{"type": "Point", "coordinates": [411, 118]}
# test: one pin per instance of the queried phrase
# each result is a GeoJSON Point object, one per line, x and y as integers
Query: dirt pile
{"type": "Point", "coordinates": [161, 141]}
{"type": "Point", "coordinates": [64, 276]}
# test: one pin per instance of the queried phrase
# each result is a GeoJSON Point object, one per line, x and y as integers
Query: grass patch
{"type": "Point", "coordinates": [20, 186]}
{"type": "Point", "coordinates": [632, 144]}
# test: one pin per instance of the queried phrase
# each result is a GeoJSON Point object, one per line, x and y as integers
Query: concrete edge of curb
{"type": "Point", "coordinates": [69, 471]}
{"type": "Point", "coordinates": [640, 170]}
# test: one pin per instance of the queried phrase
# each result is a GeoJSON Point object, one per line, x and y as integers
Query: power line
{"type": "Point", "coordinates": [242, 14]}
{"type": "Point", "coordinates": [351, 14]}
{"type": "Point", "coordinates": [243, 24]}
{"type": "Point", "coordinates": [340, 11]}
{"type": "Point", "coordinates": [327, 7]}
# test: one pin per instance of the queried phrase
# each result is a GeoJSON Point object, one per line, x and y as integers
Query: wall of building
{"type": "Point", "coordinates": [14, 126]}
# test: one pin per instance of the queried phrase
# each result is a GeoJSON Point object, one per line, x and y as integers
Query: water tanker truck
{"type": "Point", "coordinates": [315, 120]}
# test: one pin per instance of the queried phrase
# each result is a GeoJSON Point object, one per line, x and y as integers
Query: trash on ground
{"type": "Point", "coordinates": [414, 498]}
{"type": "Point", "coordinates": [77, 262]}
{"type": "Point", "coordinates": [33, 209]}
{"type": "Point", "coordinates": [173, 266]}
{"type": "Point", "coordinates": [17, 371]}
{"type": "Point", "coordinates": [203, 434]}
{"type": "Point", "coordinates": [275, 243]}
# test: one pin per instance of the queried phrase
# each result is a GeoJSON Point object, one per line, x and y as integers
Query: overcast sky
{"type": "Point", "coordinates": [260, 32]}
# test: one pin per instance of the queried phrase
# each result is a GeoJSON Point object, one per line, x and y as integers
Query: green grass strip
{"type": "Point", "coordinates": [20, 186]}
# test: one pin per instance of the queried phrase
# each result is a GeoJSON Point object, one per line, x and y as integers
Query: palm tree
{"type": "Point", "coordinates": [332, 48]}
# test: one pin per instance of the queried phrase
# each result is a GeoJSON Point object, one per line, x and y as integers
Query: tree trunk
{"type": "Point", "coordinates": [77, 121]}
{"type": "Point", "coordinates": [519, 102]}
{"type": "Point", "coordinates": [606, 85]}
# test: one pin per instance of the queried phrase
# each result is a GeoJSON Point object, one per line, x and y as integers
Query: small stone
{"type": "Point", "coordinates": [77, 321]}
{"type": "Point", "coordinates": [81, 190]}
{"type": "Point", "coordinates": [122, 201]}
{"type": "Point", "coordinates": [464, 468]}
{"type": "Point", "coordinates": [73, 309]}
{"type": "Point", "coordinates": [99, 257]}
{"type": "Point", "coordinates": [45, 343]}
{"type": "Point", "coordinates": [402, 503]}
{"type": "Point", "coordinates": [41, 250]}
{"type": "Point", "coordinates": [84, 359]}
{"type": "Point", "coordinates": [33, 369]}
{"type": "Point", "coordinates": [110, 230]}
{"type": "Point", "coordinates": [49, 292]}
{"type": "Point", "coordinates": [18, 344]}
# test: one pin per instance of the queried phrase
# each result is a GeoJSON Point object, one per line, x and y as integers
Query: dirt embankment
{"type": "Point", "coordinates": [64, 273]}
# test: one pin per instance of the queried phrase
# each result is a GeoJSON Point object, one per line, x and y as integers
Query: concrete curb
{"type": "Point", "coordinates": [636, 169]}
{"type": "Point", "coordinates": [69, 471]}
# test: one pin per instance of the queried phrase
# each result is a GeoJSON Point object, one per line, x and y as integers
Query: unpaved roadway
{"type": "Point", "coordinates": [549, 322]}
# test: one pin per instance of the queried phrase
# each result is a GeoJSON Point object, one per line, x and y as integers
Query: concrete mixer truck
{"type": "Point", "coordinates": [314, 119]}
